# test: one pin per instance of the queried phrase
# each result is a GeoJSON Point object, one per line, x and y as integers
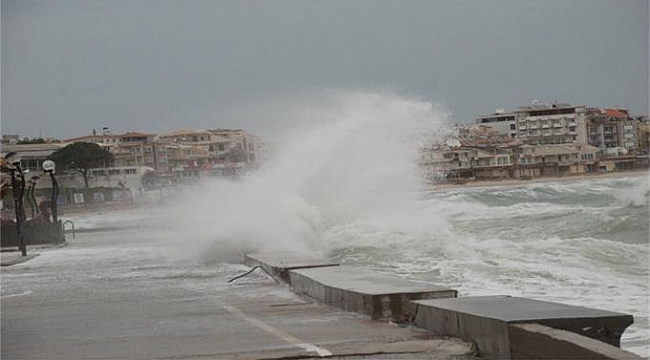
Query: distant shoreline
{"type": "Point", "coordinates": [509, 182]}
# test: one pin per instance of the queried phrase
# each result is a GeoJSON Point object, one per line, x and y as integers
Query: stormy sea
{"type": "Point", "coordinates": [347, 187]}
{"type": "Point", "coordinates": [580, 242]}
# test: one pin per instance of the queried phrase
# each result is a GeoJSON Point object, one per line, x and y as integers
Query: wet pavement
{"type": "Point", "coordinates": [128, 294]}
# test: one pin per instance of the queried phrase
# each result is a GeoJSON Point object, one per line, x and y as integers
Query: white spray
{"type": "Point", "coordinates": [357, 163]}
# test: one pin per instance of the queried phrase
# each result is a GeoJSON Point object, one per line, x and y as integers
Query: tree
{"type": "Point", "coordinates": [81, 157]}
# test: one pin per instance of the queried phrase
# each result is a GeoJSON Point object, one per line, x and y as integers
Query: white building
{"type": "Point", "coordinates": [552, 124]}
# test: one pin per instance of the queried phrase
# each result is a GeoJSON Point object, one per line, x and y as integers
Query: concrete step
{"type": "Point", "coordinates": [359, 290]}
{"type": "Point", "coordinates": [486, 320]}
{"type": "Point", "coordinates": [279, 263]}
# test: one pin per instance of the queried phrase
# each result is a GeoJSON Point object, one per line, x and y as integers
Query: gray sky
{"type": "Point", "coordinates": [156, 66]}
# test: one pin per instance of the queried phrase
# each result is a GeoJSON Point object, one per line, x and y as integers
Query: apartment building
{"type": "Point", "coordinates": [245, 145]}
{"type": "Point", "coordinates": [612, 130]}
{"type": "Point", "coordinates": [193, 154]}
{"type": "Point", "coordinates": [465, 162]}
{"type": "Point", "coordinates": [501, 121]}
{"type": "Point", "coordinates": [551, 124]}
{"type": "Point", "coordinates": [136, 149]}
{"type": "Point", "coordinates": [479, 154]}
{"type": "Point", "coordinates": [554, 160]}
{"type": "Point", "coordinates": [128, 149]}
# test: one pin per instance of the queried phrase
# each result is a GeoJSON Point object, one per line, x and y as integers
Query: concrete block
{"type": "Point", "coordinates": [359, 290]}
{"type": "Point", "coordinates": [534, 341]}
{"type": "Point", "coordinates": [279, 263]}
{"type": "Point", "coordinates": [485, 320]}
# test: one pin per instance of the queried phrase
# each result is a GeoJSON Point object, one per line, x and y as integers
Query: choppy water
{"type": "Point", "coordinates": [579, 242]}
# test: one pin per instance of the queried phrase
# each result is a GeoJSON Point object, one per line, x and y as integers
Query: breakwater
{"type": "Point", "coordinates": [502, 327]}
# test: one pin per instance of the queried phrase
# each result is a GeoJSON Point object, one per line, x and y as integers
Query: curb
{"type": "Point", "coordinates": [17, 260]}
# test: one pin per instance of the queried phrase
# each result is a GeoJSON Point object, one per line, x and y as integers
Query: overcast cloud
{"type": "Point", "coordinates": [156, 66]}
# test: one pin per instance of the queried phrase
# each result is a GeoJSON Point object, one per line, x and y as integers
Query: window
{"type": "Point", "coordinates": [114, 172]}
{"type": "Point", "coordinates": [130, 171]}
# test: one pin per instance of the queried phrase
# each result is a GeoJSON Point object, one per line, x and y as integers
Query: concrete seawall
{"type": "Point", "coordinates": [356, 289]}
{"type": "Point", "coordinates": [491, 322]}
{"type": "Point", "coordinates": [535, 341]}
{"type": "Point", "coordinates": [502, 327]}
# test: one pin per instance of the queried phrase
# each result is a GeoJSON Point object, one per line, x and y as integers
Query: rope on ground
{"type": "Point", "coordinates": [250, 271]}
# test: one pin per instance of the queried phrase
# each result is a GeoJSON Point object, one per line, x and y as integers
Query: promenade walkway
{"type": "Point", "coordinates": [127, 294]}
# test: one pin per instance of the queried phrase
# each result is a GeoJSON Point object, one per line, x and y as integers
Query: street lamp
{"type": "Point", "coordinates": [30, 195]}
{"type": "Point", "coordinates": [18, 186]}
{"type": "Point", "coordinates": [49, 166]}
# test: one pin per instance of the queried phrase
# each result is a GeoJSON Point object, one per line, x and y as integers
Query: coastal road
{"type": "Point", "coordinates": [126, 294]}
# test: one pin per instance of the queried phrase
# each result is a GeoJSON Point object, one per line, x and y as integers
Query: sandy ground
{"type": "Point", "coordinates": [484, 183]}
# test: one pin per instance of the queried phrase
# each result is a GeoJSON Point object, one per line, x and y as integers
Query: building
{"type": "Point", "coordinates": [32, 155]}
{"type": "Point", "coordinates": [643, 135]}
{"type": "Point", "coordinates": [136, 149]}
{"type": "Point", "coordinates": [128, 149]}
{"type": "Point", "coordinates": [100, 139]}
{"type": "Point", "coordinates": [612, 130]}
{"type": "Point", "coordinates": [461, 162]}
{"type": "Point", "coordinates": [193, 154]}
{"type": "Point", "coordinates": [244, 144]}
{"type": "Point", "coordinates": [501, 121]}
{"type": "Point", "coordinates": [555, 160]}
{"type": "Point", "coordinates": [551, 124]}
{"type": "Point", "coordinates": [188, 154]}
{"type": "Point", "coordinates": [483, 136]}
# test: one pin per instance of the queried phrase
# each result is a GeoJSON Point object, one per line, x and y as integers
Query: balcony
{"type": "Point", "coordinates": [557, 126]}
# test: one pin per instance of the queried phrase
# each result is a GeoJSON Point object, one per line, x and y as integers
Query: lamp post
{"type": "Point", "coordinates": [18, 186]}
{"type": "Point", "coordinates": [49, 166]}
{"type": "Point", "coordinates": [30, 195]}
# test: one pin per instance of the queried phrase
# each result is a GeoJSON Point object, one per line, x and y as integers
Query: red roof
{"type": "Point", "coordinates": [615, 113]}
